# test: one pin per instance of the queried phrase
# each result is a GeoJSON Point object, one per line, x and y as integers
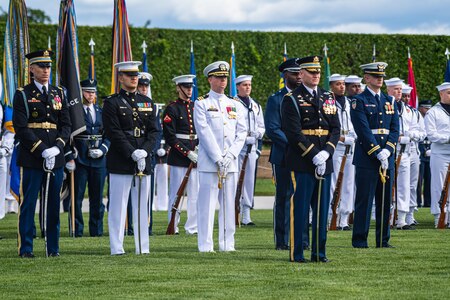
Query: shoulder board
{"type": "Point", "coordinates": [203, 97]}
{"type": "Point", "coordinates": [288, 94]}
{"type": "Point", "coordinates": [230, 97]}
{"type": "Point", "coordinates": [236, 98]}
{"type": "Point", "coordinates": [110, 96]}
{"type": "Point", "coordinates": [20, 89]}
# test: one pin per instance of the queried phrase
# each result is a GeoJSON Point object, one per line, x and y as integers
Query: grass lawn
{"type": "Point", "coordinates": [418, 268]}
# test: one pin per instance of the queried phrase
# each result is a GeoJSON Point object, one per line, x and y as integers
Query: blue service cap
{"type": "Point", "coordinates": [290, 65]}
{"type": "Point", "coordinates": [89, 85]}
{"type": "Point", "coordinates": [426, 103]}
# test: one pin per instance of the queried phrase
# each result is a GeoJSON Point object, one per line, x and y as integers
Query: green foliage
{"type": "Point", "coordinates": [418, 268]}
{"type": "Point", "coordinates": [257, 53]}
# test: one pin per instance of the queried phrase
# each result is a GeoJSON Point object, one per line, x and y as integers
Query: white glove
{"type": "Point", "coordinates": [193, 156]}
{"type": "Point", "coordinates": [50, 152]}
{"type": "Point", "coordinates": [160, 152]}
{"type": "Point", "coordinates": [256, 135]}
{"type": "Point", "coordinates": [226, 161]}
{"type": "Point", "coordinates": [384, 154]}
{"type": "Point", "coordinates": [70, 166]}
{"type": "Point", "coordinates": [95, 153]}
{"type": "Point", "coordinates": [141, 164]}
{"type": "Point", "coordinates": [138, 154]}
{"type": "Point", "coordinates": [415, 136]}
{"type": "Point", "coordinates": [222, 170]}
{"type": "Point", "coordinates": [50, 163]}
{"type": "Point", "coordinates": [404, 140]}
{"type": "Point", "coordinates": [250, 140]}
{"type": "Point", "coordinates": [320, 158]}
{"type": "Point", "coordinates": [349, 140]}
{"type": "Point", "coordinates": [384, 164]}
{"type": "Point", "coordinates": [3, 152]}
{"type": "Point", "coordinates": [428, 153]}
{"type": "Point", "coordinates": [321, 169]}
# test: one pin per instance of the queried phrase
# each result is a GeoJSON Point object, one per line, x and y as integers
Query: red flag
{"type": "Point", "coordinates": [414, 100]}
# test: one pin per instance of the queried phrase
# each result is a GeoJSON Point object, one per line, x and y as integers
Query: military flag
{"type": "Point", "coordinates": [145, 66]}
{"type": "Point", "coordinates": [447, 69]}
{"type": "Point", "coordinates": [16, 72]}
{"type": "Point", "coordinates": [233, 91]}
{"type": "Point", "coordinates": [193, 72]}
{"type": "Point", "coordinates": [68, 69]}
{"type": "Point", "coordinates": [49, 47]}
{"type": "Point", "coordinates": [121, 43]}
{"type": "Point", "coordinates": [285, 57]}
{"type": "Point", "coordinates": [326, 82]}
{"type": "Point", "coordinates": [414, 100]}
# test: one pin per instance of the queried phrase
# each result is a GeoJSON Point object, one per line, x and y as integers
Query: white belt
{"type": "Point", "coordinates": [186, 136]}
{"type": "Point", "coordinates": [380, 131]}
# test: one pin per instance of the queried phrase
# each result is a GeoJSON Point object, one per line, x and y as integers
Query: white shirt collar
{"type": "Point", "coordinates": [373, 93]}
{"type": "Point", "coordinates": [310, 90]}
{"type": "Point", "coordinates": [39, 86]}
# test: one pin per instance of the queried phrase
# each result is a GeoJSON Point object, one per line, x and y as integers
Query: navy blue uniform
{"type": "Point", "coordinates": [424, 175]}
{"type": "Point", "coordinates": [283, 181]}
{"type": "Point", "coordinates": [376, 123]}
{"type": "Point", "coordinates": [90, 171]}
{"type": "Point", "coordinates": [311, 125]}
{"type": "Point", "coordinates": [40, 123]}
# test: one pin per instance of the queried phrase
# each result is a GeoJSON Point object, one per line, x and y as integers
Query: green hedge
{"type": "Point", "coordinates": [257, 53]}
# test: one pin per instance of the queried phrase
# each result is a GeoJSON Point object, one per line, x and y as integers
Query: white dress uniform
{"type": "Point", "coordinates": [437, 125]}
{"type": "Point", "coordinates": [161, 181]}
{"type": "Point", "coordinates": [254, 119]}
{"type": "Point", "coordinates": [6, 144]}
{"type": "Point", "coordinates": [346, 203]}
{"type": "Point", "coordinates": [221, 129]}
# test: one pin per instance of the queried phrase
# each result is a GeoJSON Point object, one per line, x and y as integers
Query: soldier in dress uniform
{"type": "Point", "coordinates": [42, 125]}
{"type": "Point", "coordinates": [129, 122]}
{"type": "Point", "coordinates": [416, 134]}
{"type": "Point", "coordinates": [254, 120]}
{"type": "Point", "coordinates": [6, 149]}
{"type": "Point", "coordinates": [281, 175]}
{"type": "Point", "coordinates": [92, 147]}
{"type": "Point", "coordinates": [312, 128]}
{"type": "Point", "coordinates": [437, 125]}
{"type": "Point", "coordinates": [346, 140]}
{"type": "Point", "coordinates": [352, 85]}
{"type": "Point", "coordinates": [221, 132]}
{"type": "Point", "coordinates": [179, 132]}
{"type": "Point", "coordinates": [424, 172]}
{"type": "Point", "coordinates": [375, 119]}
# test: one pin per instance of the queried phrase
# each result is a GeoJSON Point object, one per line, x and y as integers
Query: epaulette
{"type": "Point", "coordinates": [20, 89]}
{"type": "Point", "coordinates": [288, 94]}
{"type": "Point", "coordinates": [203, 97]}
{"type": "Point", "coordinates": [110, 96]}
{"type": "Point", "coordinates": [231, 97]}
{"type": "Point", "coordinates": [236, 98]}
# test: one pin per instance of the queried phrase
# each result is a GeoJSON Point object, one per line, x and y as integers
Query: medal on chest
{"type": "Point", "coordinates": [56, 102]}
{"type": "Point", "coordinates": [389, 108]}
{"type": "Point", "coordinates": [231, 111]}
{"type": "Point", "coordinates": [329, 107]}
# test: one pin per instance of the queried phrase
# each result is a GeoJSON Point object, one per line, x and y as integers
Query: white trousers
{"type": "Point", "coordinates": [3, 187]}
{"type": "Point", "coordinates": [119, 189]}
{"type": "Point", "coordinates": [347, 200]}
{"type": "Point", "coordinates": [414, 177]}
{"type": "Point", "coordinates": [209, 194]}
{"type": "Point", "coordinates": [438, 166]}
{"type": "Point", "coordinates": [248, 184]}
{"type": "Point", "coordinates": [403, 184]}
{"type": "Point", "coordinates": [176, 177]}
{"type": "Point", "coordinates": [161, 183]}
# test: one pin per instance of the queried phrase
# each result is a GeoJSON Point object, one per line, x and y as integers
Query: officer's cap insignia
{"type": "Point", "coordinates": [381, 68]}
{"type": "Point", "coordinates": [316, 59]}
{"type": "Point", "coordinates": [223, 67]}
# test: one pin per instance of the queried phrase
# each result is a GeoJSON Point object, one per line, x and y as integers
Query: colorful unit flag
{"type": "Point", "coordinates": [233, 91]}
{"type": "Point", "coordinates": [414, 100]}
{"type": "Point", "coordinates": [447, 69]}
{"type": "Point", "coordinates": [193, 72]}
{"type": "Point", "coordinates": [285, 57]}
{"type": "Point", "coordinates": [326, 78]}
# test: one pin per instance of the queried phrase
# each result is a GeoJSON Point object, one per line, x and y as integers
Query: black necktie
{"type": "Point", "coordinates": [44, 91]}
{"type": "Point", "coordinates": [314, 94]}
{"type": "Point", "coordinates": [89, 116]}
{"type": "Point", "coordinates": [377, 97]}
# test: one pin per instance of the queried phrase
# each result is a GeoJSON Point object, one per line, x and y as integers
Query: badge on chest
{"type": "Point", "coordinates": [56, 102]}
{"type": "Point", "coordinates": [329, 107]}
{"type": "Point", "coordinates": [389, 108]}
{"type": "Point", "coordinates": [231, 111]}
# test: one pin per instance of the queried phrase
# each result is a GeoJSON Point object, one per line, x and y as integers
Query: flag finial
{"type": "Point", "coordinates": [49, 47]}
{"type": "Point", "coordinates": [92, 44]}
{"type": "Point", "coordinates": [232, 47]}
{"type": "Point", "coordinates": [447, 53]}
{"type": "Point", "coordinates": [325, 49]}
{"type": "Point", "coordinates": [192, 46]}
{"type": "Point", "coordinates": [144, 47]}
{"type": "Point", "coordinates": [285, 49]}
{"type": "Point", "coordinates": [409, 53]}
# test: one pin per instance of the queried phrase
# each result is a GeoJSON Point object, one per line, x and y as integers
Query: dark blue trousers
{"type": "Point", "coordinates": [368, 186]}
{"type": "Point", "coordinates": [31, 182]}
{"type": "Point", "coordinates": [424, 184]}
{"type": "Point", "coordinates": [283, 193]}
{"type": "Point", "coordinates": [94, 178]}
{"type": "Point", "coordinates": [305, 196]}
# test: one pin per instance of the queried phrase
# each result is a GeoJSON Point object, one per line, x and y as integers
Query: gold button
{"type": "Point", "coordinates": [132, 100]}
{"type": "Point", "coordinates": [123, 114]}
{"type": "Point", "coordinates": [381, 122]}
{"type": "Point", "coordinates": [134, 119]}
{"type": "Point", "coordinates": [320, 119]}
{"type": "Point", "coordinates": [134, 109]}
{"type": "Point", "coordinates": [371, 145]}
{"type": "Point", "coordinates": [320, 127]}
{"type": "Point", "coordinates": [224, 123]}
{"type": "Point", "coordinates": [48, 106]}
{"type": "Point", "coordinates": [48, 130]}
{"type": "Point", "coordinates": [48, 115]}
{"type": "Point", "coordinates": [381, 113]}
{"type": "Point", "coordinates": [382, 137]}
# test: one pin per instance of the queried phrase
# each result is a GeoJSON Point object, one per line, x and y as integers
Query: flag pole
{"type": "Point", "coordinates": [447, 53]}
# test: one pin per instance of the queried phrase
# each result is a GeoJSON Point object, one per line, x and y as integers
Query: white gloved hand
{"type": "Point", "coordinates": [226, 161]}
{"type": "Point", "coordinates": [404, 140]}
{"type": "Point", "coordinates": [95, 153]}
{"type": "Point", "coordinates": [222, 170]}
{"type": "Point", "coordinates": [256, 134]}
{"type": "Point", "coordinates": [160, 152]}
{"type": "Point", "coordinates": [384, 164]}
{"type": "Point", "coordinates": [415, 136]}
{"type": "Point", "coordinates": [193, 156]}
{"type": "Point", "coordinates": [321, 169]}
{"type": "Point", "coordinates": [349, 140]}
{"type": "Point", "coordinates": [3, 152]}
{"type": "Point", "coordinates": [138, 154]}
{"type": "Point", "coordinates": [50, 152]}
{"type": "Point", "coordinates": [320, 158]}
{"type": "Point", "coordinates": [70, 166]}
{"type": "Point", "coordinates": [428, 153]}
{"type": "Point", "coordinates": [50, 163]}
{"type": "Point", "coordinates": [250, 140]}
{"type": "Point", "coordinates": [384, 154]}
{"type": "Point", "coordinates": [141, 164]}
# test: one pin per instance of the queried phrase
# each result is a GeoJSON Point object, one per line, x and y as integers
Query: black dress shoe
{"type": "Point", "coordinates": [248, 224]}
{"type": "Point", "coordinates": [388, 246]}
{"type": "Point", "coordinates": [346, 228]}
{"type": "Point", "coordinates": [406, 227]}
{"type": "Point", "coordinates": [324, 260]}
{"type": "Point", "coordinates": [54, 254]}
{"type": "Point", "coordinates": [27, 255]}
{"type": "Point", "coordinates": [301, 261]}
{"type": "Point", "coordinates": [360, 246]}
{"type": "Point", "coordinates": [282, 247]}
